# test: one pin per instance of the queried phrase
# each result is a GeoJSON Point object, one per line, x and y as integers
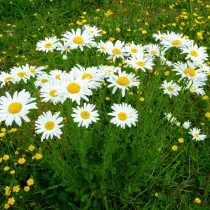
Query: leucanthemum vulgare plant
{"type": "Point", "coordinates": [104, 126]}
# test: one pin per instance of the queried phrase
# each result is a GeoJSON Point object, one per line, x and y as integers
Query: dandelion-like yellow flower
{"type": "Point", "coordinates": [181, 140]}
{"type": "Point", "coordinates": [207, 114]}
{"type": "Point", "coordinates": [197, 200]}
{"type": "Point", "coordinates": [174, 148]}
{"type": "Point", "coordinates": [21, 161]}
{"type": "Point", "coordinates": [11, 201]}
{"type": "Point", "coordinates": [30, 182]}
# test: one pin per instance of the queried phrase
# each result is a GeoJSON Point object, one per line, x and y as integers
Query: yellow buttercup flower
{"type": "Point", "coordinates": [37, 156]}
{"type": "Point", "coordinates": [31, 148]}
{"type": "Point", "coordinates": [11, 201]}
{"type": "Point", "coordinates": [108, 13]}
{"type": "Point", "coordinates": [26, 188]}
{"type": "Point", "coordinates": [174, 148]}
{"type": "Point", "coordinates": [16, 188]}
{"type": "Point", "coordinates": [21, 161]}
{"type": "Point", "coordinates": [207, 114]}
{"type": "Point", "coordinates": [30, 182]}
{"type": "Point", "coordinates": [197, 200]}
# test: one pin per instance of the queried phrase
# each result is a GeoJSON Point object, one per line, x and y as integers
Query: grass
{"type": "Point", "coordinates": [105, 167]}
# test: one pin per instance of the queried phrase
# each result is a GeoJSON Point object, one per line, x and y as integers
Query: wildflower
{"type": "Point", "coordinates": [30, 182]}
{"type": "Point", "coordinates": [16, 188]}
{"type": "Point", "coordinates": [6, 206]}
{"type": "Point", "coordinates": [197, 200]}
{"type": "Point", "coordinates": [171, 88]}
{"type": "Point", "coordinates": [5, 157]}
{"type": "Point", "coordinates": [195, 132]}
{"type": "Point", "coordinates": [7, 190]}
{"type": "Point", "coordinates": [26, 188]}
{"type": "Point", "coordinates": [31, 148]}
{"type": "Point", "coordinates": [181, 140]}
{"type": "Point", "coordinates": [49, 125]}
{"type": "Point", "coordinates": [16, 108]}
{"type": "Point", "coordinates": [108, 13]}
{"type": "Point", "coordinates": [6, 168]}
{"type": "Point", "coordinates": [21, 161]}
{"type": "Point", "coordinates": [174, 148]}
{"type": "Point", "coordinates": [12, 172]}
{"type": "Point", "coordinates": [85, 115]}
{"type": "Point", "coordinates": [37, 156]}
{"type": "Point", "coordinates": [11, 201]}
{"type": "Point", "coordinates": [47, 45]}
{"type": "Point", "coordinates": [123, 114]}
{"type": "Point", "coordinates": [186, 124]}
{"type": "Point", "coordinates": [207, 114]}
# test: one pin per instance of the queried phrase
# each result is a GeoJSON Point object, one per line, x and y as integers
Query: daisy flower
{"type": "Point", "coordinates": [153, 50]}
{"type": "Point", "coordinates": [75, 89]}
{"type": "Point", "coordinates": [47, 45]}
{"type": "Point", "coordinates": [133, 49]}
{"type": "Point", "coordinates": [33, 71]}
{"type": "Point", "coordinates": [186, 124]}
{"type": "Point", "coordinates": [116, 50]}
{"type": "Point", "coordinates": [64, 47]}
{"type": "Point", "coordinates": [57, 75]}
{"type": "Point", "coordinates": [171, 88]}
{"type": "Point", "coordinates": [92, 30]}
{"type": "Point", "coordinates": [123, 115]}
{"type": "Point", "coordinates": [78, 39]}
{"type": "Point", "coordinates": [19, 74]}
{"type": "Point", "coordinates": [140, 62]}
{"type": "Point", "coordinates": [102, 47]}
{"type": "Point", "coordinates": [195, 53]}
{"type": "Point", "coordinates": [42, 79]}
{"type": "Point", "coordinates": [5, 78]}
{"type": "Point", "coordinates": [49, 125]}
{"type": "Point", "coordinates": [50, 92]}
{"type": "Point", "coordinates": [109, 70]}
{"type": "Point", "coordinates": [85, 115]}
{"type": "Point", "coordinates": [195, 132]}
{"type": "Point", "coordinates": [15, 108]}
{"type": "Point", "coordinates": [122, 81]}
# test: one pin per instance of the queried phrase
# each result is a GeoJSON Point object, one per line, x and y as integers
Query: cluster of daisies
{"type": "Point", "coordinates": [195, 132]}
{"type": "Point", "coordinates": [79, 84]}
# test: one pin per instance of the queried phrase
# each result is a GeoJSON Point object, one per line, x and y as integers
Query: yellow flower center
{"type": "Point", "coordinates": [58, 77]}
{"type": "Point", "coordinates": [103, 48]}
{"type": "Point", "coordinates": [85, 115]}
{"type": "Point", "coordinates": [124, 81]}
{"type": "Point", "coordinates": [49, 125]}
{"type": "Point", "coordinates": [196, 135]}
{"type": "Point", "coordinates": [52, 93]}
{"type": "Point", "coordinates": [8, 79]}
{"type": "Point", "coordinates": [43, 81]}
{"type": "Point", "coordinates": [15, 107]}
{"type": "Point", "coordinates": [78, 40]}
{"type": "Point", "coordinates": [32, 70]}
{"type": "Point", "coordinates": [48, 45]}
{"type": "Point", "coordinates": [73, 88]}
{"type": "Point", "coordinates": [176, 42]}
{"type": "Point", "coordinates": [193, 53]}
{"type": "Point", "coordinates": [21, 74]}
{"type": "Point", "coordinates": [190, 71]}
{"type": "Point", "coordinates": [140, 63]}
{"type": "Point", "coordinates": [154, 52]}
{"type": "Point", "coordinates": [122, 116]}
{"type": "Point", "coordinates": [134, 50]}
{"type": "Point", "coordinates": [170, 88]}
{"type": "Point", "coordinates": [116, 51]}
{"type": "Point", "coordinates": [87, 75]}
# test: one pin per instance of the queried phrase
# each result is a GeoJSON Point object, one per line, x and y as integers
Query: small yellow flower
{"type": "Point", "coordinates": [108, 13]}
{"type": "Point", "coordinates": [98, 10]}
{"type": "Point", "coordinates": [167, 73]}
{"type": "Point", "coordinates": [205, 98]}
{"type": "Point", "coordinates": [200, 35]}
{"type": "Point", "coordinates": [144, 32]}
{"type": "Point", "coordinates": [107, 98]}
{"type": "Point", "coordinates": [12, 130]}
{"type": "Point", "coordinates": [30, 182]}
{"type": "Point", "coordinates": [6, 168]}
{"type": "Point", "coordinates": [12, 172]}
{"type": "Point", "coordinates": [21, 161]}
{"type": "Point", "coordinates": [1, 35]}
{"type": "Point", "coordinates": [118, 29]}
{"type": "Point", "coordinates": [207, 114]}
{"type": "Point", "coordinates": [6, 206]}
{"type": "Point", "coordinates": [16, 152]}
{"type": "Point", "coordinates": [31, 147]}
{"type": "Point", "coordinates": [5, 157]}
{"type": "Point", "coordinates": [3, 130]}
{"type": "Point", "coordinates": [26, 188]}
{"type": "Point", "coordinates": [111, 39]}
{"type": "Point", "coordinates": [7, 191]}
{"type": "Point", "coordinates": [16, 188]}
{"type": "Point", "coordinates": [141, 99]}
{"type": "Point", "coordinates": [197, 200]}
{"type": "Point", "coordinates": [37, 156]}
{"type": "Point", "coordinates": [174, 148]}
{"type": "Point", "coordinates": [181, 140]}
{"type": "Point", "coordinates": [11, 201]}
{"type": "Point", "coordinates": [2, 134]}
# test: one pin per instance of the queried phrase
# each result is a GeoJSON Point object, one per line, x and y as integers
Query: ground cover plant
{"type": "Point", "coordinates": [104, 104]}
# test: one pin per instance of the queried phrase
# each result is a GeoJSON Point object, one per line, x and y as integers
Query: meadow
{"type": "Point", "coordinates": [104, 104]}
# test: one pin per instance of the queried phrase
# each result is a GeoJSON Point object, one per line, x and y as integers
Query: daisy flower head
{"type": "Point", "coordinates": [51, 92]}
{"type": "Point", "coordinates": [122, 81]}
{"type": "Point", "coordinates": [49, 125]}
{"type": "Point", "coordinates": [186, 124]}
{"type": "Point", "coordinates": [15, 108]}
{"type": "Point", "coordinates": [33, 71]}
{"type": "Point", "coordinates": [159, 36]}
{"type": "Point", "coordinates": [75, 89]}
{"type": "Point", "coordinates": [174, 40]}
{"type": "Point", "coordinates": [92, 30]}
{"type": "Point", "coordinates": [115, 50]}
{"type": "Point", "coordinates": [47, 45]}
{"type": "Point", "coordinates": [171, 88]}
{"type": "Point", "coordinates": [123, 115]}
{"type": "Point", "coordinates": [102, 47]}
{"type": "Point", "coordinates": [132, 49]}
{"type": "Point", "coordinates": [141, 61]}
{"type": "Point", "coordinates": [153, 50]}
{"type": "Point", "coordinates": [20, 74]}
{"type": "Point", "coordinates": [195, 53]}
{"type": "Point", "coordinates": [78, 39]}
{"type": "Point", "coordinates": [85, 115]}
{"type": "Point", "coordinates": [57, 75]}
{"type": "Point", "coordinates": [42, 79]}
{"type": "Point", "coordinates": [195, 132]}
{"type": "Point", "coordinates": [196, 88]}
{"type": "Point", "coordinates": [64, 47]}
{"type": "Point", "coordinates": [5, 78]}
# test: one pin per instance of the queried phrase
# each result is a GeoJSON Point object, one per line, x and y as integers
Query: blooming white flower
{"type": "Point", "coordinates": [18, 73]}
{"type": "Point", "coordinates": [186, 124]}
{"type": "Point", "coordinates": [15, 108]}
{"type": "Point", "coordinates": [92, 30]}
{"type": "Point", "coordinates": [47, 45]}
{"type": "Point", "coordinates": [195, 132]}
{"type": "Point", "coordinates": [171, 88]}
{"type": "Point", "coordinates": [123, 115]}
{"type": "Point", "coordinates": [5, 78]}
{"type": "Point", "coordinates": [49, 125]}
{"type": "Point", "coordinates": [85, 115]}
